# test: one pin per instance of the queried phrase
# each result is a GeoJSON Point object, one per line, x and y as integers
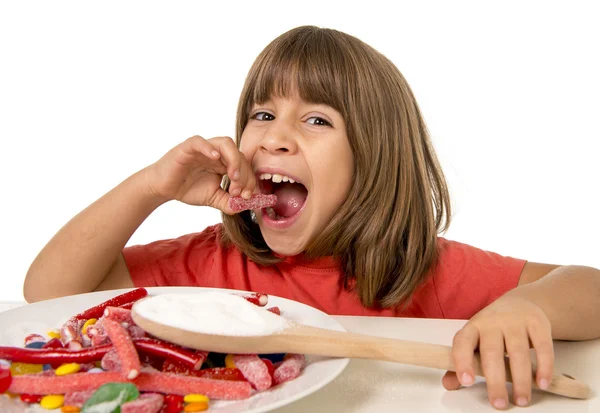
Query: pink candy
{"type": "Point", "coordinates": [146, 403]}
{"type": "Point", "coordinates": [254, 370]}
{"type": "Point", "coordinates": [289, 368]}
{"type": "Point", "coordinates": [130, 361]}
{"type": "Point", "coordinates": [257, 201]}
{"type": "Point", "coordinates": [121, 315]}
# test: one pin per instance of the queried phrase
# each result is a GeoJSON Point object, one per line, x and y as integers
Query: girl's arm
{"type": "Point", "coordinates": [86, 254]}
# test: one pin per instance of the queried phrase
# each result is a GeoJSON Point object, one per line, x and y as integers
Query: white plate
{"type": "Point", "coordinates": [48, 315]}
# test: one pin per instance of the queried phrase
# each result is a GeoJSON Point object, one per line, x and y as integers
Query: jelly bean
{"type": "Point", "coordinates": [68, 368]}
{"type": "Point", "coordinates": [195, 407]}
{"type": "Point", "coordinates": [275, 358]}
{"type": "Point", "coordinates": [70, 409]}
{"type": "Point", "coordinates": [229, 361]}
{"type": "Point", "coordinates": [88, 323]}
{"type": "Point", "coordinates": [52, 401]}
{"type": "Point", "coordinates": [195, 398]}
{"type": "Point", "coordinates": [46, 367]}
{"type": "Point", "coordinates": [53, 334]}
{"type": "Point", "coordinates": [25, 368]}
{"type": "Point", "coordinates": [5, 378]}
{"type": "Point", "coordinates": [31, 398]}
{"type": "Point", "coordinates": [36, 344]}
{"type": "Point", "coordinates": [173, 403]}
{"type": "Point", "coordinates": [96, 370]}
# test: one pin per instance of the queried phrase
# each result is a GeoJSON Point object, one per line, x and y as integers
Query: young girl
{"type": "Point", "coordinates": [331, 127]}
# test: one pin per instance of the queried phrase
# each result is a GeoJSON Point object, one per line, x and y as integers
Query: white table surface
{"type": "Point", "coordinates": [378, 386]}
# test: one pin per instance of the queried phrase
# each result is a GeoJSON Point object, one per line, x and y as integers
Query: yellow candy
{"type": "Point", "coordinates": [229, 361]}
{"type": "Point", "coordinates": [53, 401]}
{"type": "Point", "coordinates": [68, 368]}
{"type": "Point", "coordinates": [195, 407]}
{"type": "Point", "coordinates": [17, 369]}
{"type": "Point", "coordinates": [53, 334]}
{"type": "Point", "coordinates": [195, 398]}
{"type": "Point", "coordinates": [88, 323]}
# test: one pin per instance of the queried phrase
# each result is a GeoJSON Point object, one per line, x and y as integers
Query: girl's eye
{"type": "Point", "coordinates": [263, 116]}
{"type": "Point", "coordinates": [315, 120]}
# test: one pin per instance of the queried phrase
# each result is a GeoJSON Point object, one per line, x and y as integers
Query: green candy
{"type": "Point", "coordinates": [109, 398]}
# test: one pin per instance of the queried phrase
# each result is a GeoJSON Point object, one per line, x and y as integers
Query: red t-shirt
{"type": "Point", "coordinates": [464, 281]}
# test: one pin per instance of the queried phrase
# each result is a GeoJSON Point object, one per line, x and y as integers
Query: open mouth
{"type": "Point", "coordinates": [291, 197]}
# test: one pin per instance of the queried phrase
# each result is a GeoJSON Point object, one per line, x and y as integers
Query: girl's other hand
{"type": "Point", "coordinates": [192, 173]}
{"type": "Point", "coordinates": [510, 324]}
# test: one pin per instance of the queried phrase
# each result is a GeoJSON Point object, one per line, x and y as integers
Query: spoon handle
{"type": "Point", "coordinates": [312, 340]}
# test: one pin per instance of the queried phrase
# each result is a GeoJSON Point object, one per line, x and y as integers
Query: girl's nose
{"type": "Point", "coordinates": [279, 139]}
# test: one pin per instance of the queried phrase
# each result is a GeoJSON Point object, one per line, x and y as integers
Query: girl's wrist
{"type": "Point", "coordinates": [140, 182]}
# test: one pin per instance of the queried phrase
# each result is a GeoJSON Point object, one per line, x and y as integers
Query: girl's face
{"type": "Point", "coordinates": [300, 152]}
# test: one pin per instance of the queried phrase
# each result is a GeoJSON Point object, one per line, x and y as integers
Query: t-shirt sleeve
{"type": "Point", "coordinates": [172, 262]}
{"type": "Point", "coordinates": [468, 279]}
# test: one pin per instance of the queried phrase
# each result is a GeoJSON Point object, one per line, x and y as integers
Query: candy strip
{"type": "Point", "coordinates": [215, 373]}
{"type": "Point", "coordinates": [274, 310]}
{"type": "Point", "coordinates": [119, 314]}
{"type": "Point", "coordinates": [53, 355]}
{"type": "Point", "coordinates": [38, 384]}
{"type": "Point", "coordinates": [254, 370]}
{"type": "Point", "coordinates": [130, 361]}
{"type": "Point", "coordinates": [257, 201]}
{"type": "Point", "coordinates": [290, 368]}
{"type": "Point", "coordinates": [168, 383]}
{"type": "Point", "coordinates": [98, 310]}
{"type": "Point", "coordinates": [157, 347]}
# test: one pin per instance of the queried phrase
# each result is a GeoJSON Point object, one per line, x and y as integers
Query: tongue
{"type": "Point", "coordinates": [290, 198]}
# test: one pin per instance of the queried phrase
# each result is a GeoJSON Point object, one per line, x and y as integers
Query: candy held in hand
{"type": "Point", "coordinates": [257, 201]}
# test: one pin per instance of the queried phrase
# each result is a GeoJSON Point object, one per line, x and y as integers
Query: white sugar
{"type": "Point", "coordinates": [211, 313]}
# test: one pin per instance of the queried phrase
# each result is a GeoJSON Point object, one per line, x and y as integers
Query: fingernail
{"type": "Point", "coordinates": [247, 194]}
{"type": "Point", "coordinates": [466, 379]}
{"type": "Point", "coordinates": [235, 192]}
{"type": "Point", "coordinates": [236, 174]}
{"type": "Point", "coordinates": [499, 404]}
{"type": "Point", "coordinates": [522, 401]}
{"type": "Point", "coordinates": [543, 384]}
{"type": "Point", "coordinates": [215, 153]}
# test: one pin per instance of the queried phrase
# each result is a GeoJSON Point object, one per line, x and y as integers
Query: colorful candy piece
{"type": "Point", "coordinates": [70, 409]}
{"type": "Point", "coordinates": [30, 398]}
{"type": "Point", "coordinates": [78, 398]}
{"type": "Point", "coordinates": [69, 332]}
{"type": "Point", "coordinates": [18, 369]}
{"type": "Point", "coordinates": [173, 403]}
{"type": "Point", "coordinates": [146, 403]}
{"type": "Point", "coordinates": [5, 378]}
{"type": "Point", "coordinates": [68, 368]}
{"type": "Point", "coordinates": [136, 331]}
{"type": "Point", "coordinates": [52, 401]}
{"type": "Point", "coordinates": [53, 343]}
{"type": "Point", "coordinates": [34, 338]}
{"type": "Point", "coordinates": [169, 383]}
{"type": "Point", "coordinates": [290, 368]}
{"type": "Point", "coordinates": [128, 356]}
{"type": "Point", "coordinates": [195, 407]}
{"type": "Point", "coordinates": [274, 310]}
{"type": "Point", "coordinates": [97, 311]}
{"type": "Point", "coordinates": [195, 398]}
{"type": "Point", "coordinates": [88, 323]}
{"type": "Point", "coordinates": [270, 367]}
{"type": "Point", "coordinates": [257, 201]}
{"type": "Point", "coordinates": [229, 361]}
{"type": "Point", "coordinates": [215, 373]}
{"type": "Point", "coordinates": [254, 370]}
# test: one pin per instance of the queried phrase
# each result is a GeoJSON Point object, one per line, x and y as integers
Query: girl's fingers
{"type": "Point", "coordinates": [463, 348]}
{"type": "Point", "coordinates": [517, 347]}
{"type": "Point", "coordinates": [238, 169]}
{"type": "Point", "coordinates": [491, 349]}
{"type": "Point", "coordinates": [541, 338]}
{"type": "Point", "coordinates": [197, 144]}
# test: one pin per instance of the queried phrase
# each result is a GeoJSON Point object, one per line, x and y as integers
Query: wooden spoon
{"type": "Point", "coordinates": [303, 339]}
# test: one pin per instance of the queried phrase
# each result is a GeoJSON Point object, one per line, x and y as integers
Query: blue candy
{"type": "Point", "coordinates": [35, 344]}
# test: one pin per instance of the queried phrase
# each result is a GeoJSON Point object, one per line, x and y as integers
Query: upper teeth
{"type": "Point", "coordinates": [277, 178]}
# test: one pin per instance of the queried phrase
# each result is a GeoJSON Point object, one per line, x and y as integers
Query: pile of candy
{"type": "Point", "coordinates": [101, 361]}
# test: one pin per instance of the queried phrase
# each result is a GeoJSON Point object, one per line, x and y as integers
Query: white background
{"type": "Point", "coordinates": [92, 92]}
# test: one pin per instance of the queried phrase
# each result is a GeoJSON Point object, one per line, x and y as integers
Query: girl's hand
{"type": "Point", "coordinates": [192, 173]}
{"type": "Point", "coordinates": [510, 324]}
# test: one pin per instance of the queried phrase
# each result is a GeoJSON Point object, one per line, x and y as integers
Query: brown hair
{"type": "Point", "coordinates": [385, 232]}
